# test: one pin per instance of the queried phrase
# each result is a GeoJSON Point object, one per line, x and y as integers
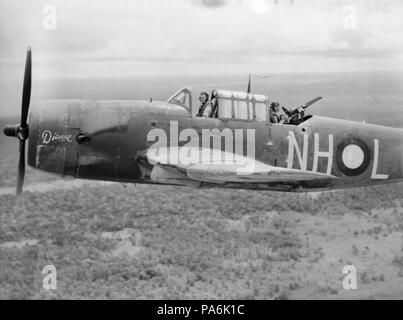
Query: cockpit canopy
{"type": "Point", "coordinates": [241, 105]}
{"type": "Point", "coordinates": [182, 97]}
{"type": "Point", "coordinates": [229, 104]}
{"type": "Point", "coordinates": [237, 105]}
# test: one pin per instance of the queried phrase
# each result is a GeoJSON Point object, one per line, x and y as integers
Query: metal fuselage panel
{"type": "Point", "coordinates": [120, 133]}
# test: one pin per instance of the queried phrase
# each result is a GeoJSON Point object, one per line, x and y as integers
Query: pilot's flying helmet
{"type": "Point", "coordinates": [205, 94]}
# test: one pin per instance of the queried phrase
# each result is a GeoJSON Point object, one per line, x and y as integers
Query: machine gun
{"type": "Point", "coordinates": [297, 115]}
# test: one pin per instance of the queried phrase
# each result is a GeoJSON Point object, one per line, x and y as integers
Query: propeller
{"type": "Point", "coordinates": [21, 131]}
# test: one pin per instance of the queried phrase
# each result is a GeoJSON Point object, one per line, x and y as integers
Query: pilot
{"type": "Point", "coordinates": [206, 108]}
{"type": "Point", "coordinates": [276, 115]}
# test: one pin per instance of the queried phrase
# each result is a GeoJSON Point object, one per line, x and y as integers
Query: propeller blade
{"type": "Point", "coordinates": [21, 131]}
{"type": "Point", "coordinates": [26, 92]}
{"type": "Point", "coordinates": [21, 167]}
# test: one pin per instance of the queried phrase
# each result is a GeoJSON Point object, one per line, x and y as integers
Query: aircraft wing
{"type": "Point", "coordinates": [222, 167]}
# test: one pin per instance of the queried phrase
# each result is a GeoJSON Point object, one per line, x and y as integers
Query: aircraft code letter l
{"type": "Point", "coordinates": [374, 174]}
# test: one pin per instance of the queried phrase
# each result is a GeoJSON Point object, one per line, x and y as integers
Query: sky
{"type": "Point", "coordinates": [115, 38]}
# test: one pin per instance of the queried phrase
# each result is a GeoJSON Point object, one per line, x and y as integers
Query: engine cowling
{"type": "Point", "coordinates": [54, 126]}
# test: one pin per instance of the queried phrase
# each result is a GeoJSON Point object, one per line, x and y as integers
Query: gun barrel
{"type": "Point", "coordinates": [306, 105]}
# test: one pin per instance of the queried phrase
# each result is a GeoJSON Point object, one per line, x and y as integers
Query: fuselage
{"type": "Point", "coordinates": [108, 140]}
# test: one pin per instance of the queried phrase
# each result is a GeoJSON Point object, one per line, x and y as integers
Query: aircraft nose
{"type": "Point", "coordinates": [54, 126]}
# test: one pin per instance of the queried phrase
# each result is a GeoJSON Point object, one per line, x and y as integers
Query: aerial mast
{"type": "Point", "coordinates": [249, 80]}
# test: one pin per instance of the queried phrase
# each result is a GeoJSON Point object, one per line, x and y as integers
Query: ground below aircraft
{"type": "Point", "coordinates": [162, 142]}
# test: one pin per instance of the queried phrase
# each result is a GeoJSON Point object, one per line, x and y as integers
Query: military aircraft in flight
{"type": "Point", "coordinates": [163, 142]}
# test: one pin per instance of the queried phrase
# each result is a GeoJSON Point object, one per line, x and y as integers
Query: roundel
{"type": "Point", "coordinates": [352, 156]}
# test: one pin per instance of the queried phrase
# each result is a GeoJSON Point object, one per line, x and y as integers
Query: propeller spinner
{"type": "Point", "coordinates": [21, 131]}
